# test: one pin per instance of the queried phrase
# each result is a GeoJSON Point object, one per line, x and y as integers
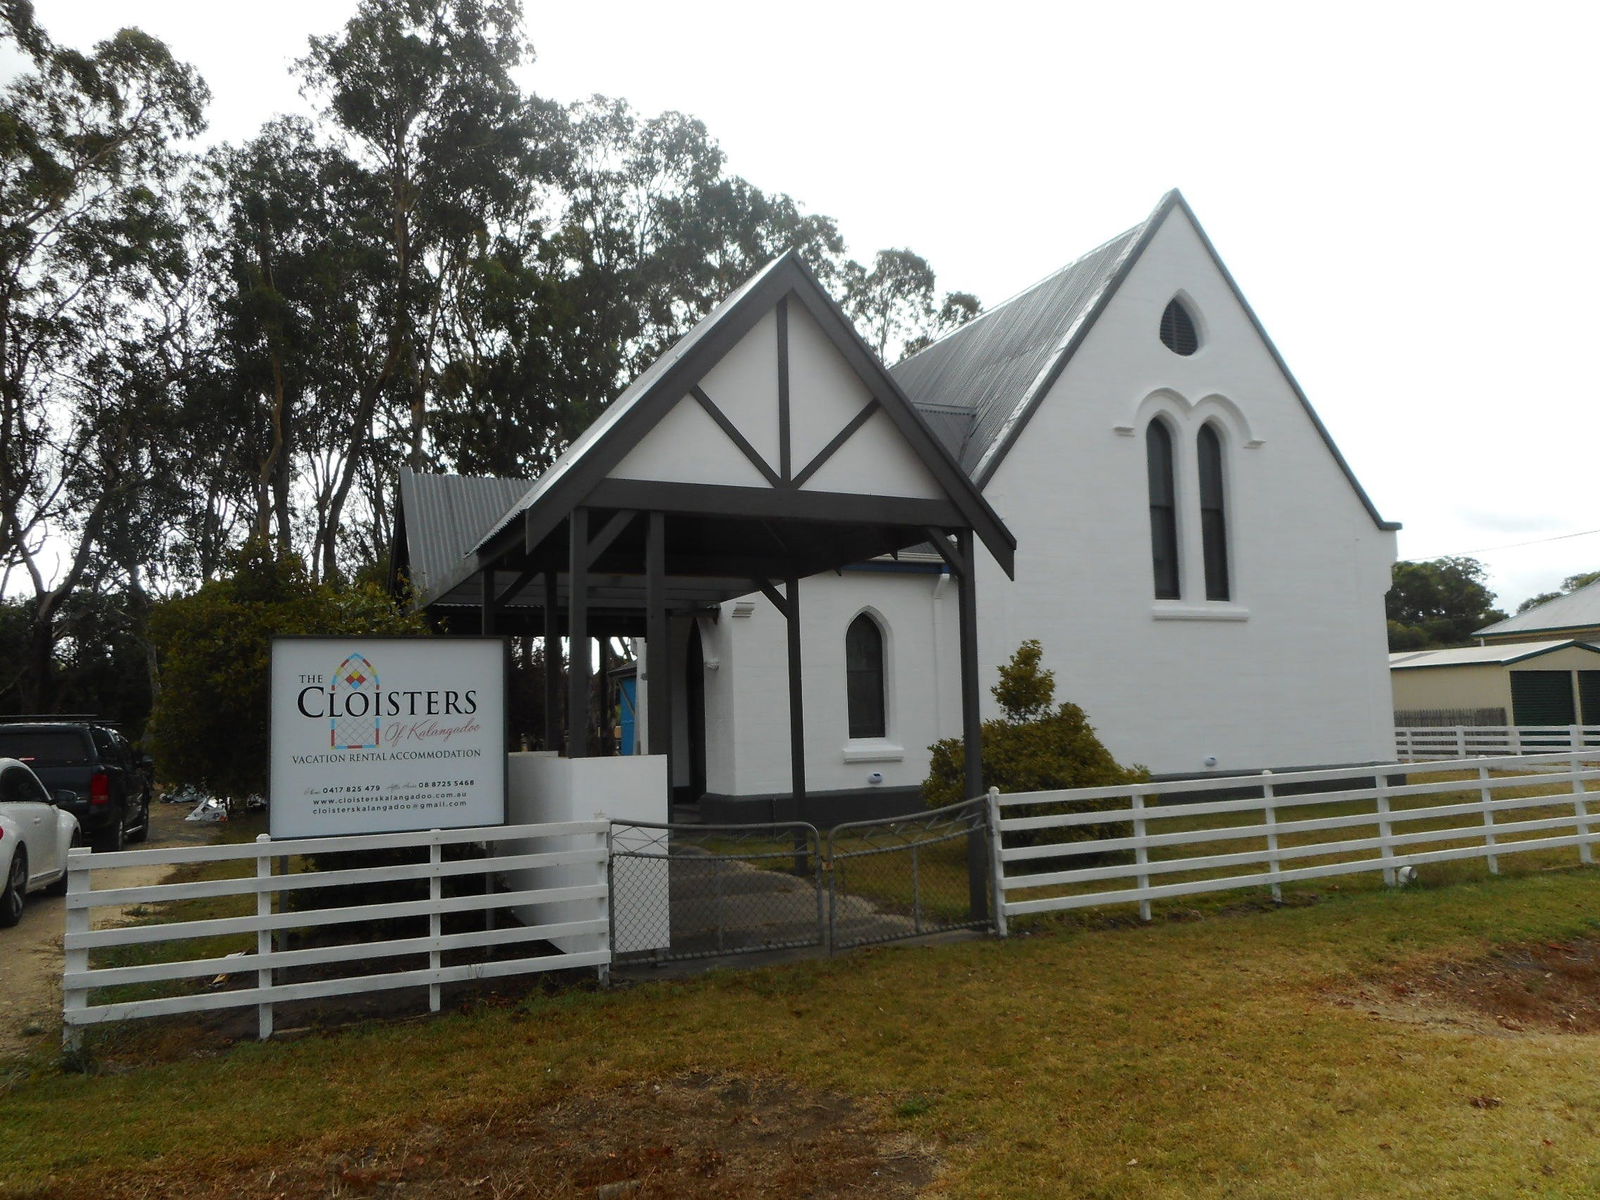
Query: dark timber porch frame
{"type": "Point", "coordinates": [602, 552]}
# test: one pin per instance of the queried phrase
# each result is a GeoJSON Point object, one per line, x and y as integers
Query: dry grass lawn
{"type": "Point", "coordinates": [1349, 1047]}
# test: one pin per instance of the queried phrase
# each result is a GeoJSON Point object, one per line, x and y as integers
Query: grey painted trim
{"type": "Point", "coordinates": [733, 435]}
{"type": "Point", "coordinates": [785, 434]}
{"type": "Point", "coordinates": [839, 439]}
{"type": "Point", "coordinates": [702, 499]}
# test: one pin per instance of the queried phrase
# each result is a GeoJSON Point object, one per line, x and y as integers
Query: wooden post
{"type": "Point", "coordinates": [1268, 793]}
{"type": "Point", "coordinates": [1486, 796]}
{"type": "Point", "coordinates": [264, 896]}
{"type": "Point", "coordinates": [1385, 847]}
{"type": "Point", "coordinates": [997, 865]}
{"type": "Point", "coordinates": [75, 999]}
{"type": "Point", "coordinates": [658, 645]}
{"type": "Point", "coordinates": [435, 926]}
{"type": "Point", "coordinates": [578, 635]}
{"type": "Point", "coordinates": [1580, 810]}
{"type": "Point", "coordinates": [552, 664]}
{"type": "Point", "coordinates": [971, 722]}
{"type": "Point", "coordinates": [1141, 855]}
{"type": "Point", "coordinates": [797, 719]}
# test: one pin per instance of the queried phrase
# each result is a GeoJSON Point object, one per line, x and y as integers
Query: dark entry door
{"type": "Point", "coordinates": [1542, 698]}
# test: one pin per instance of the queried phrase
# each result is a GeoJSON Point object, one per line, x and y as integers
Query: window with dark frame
{"type": "Point", "coordinates": [1178, 332]}
{"type": "Point", "coordinates": [864, 676]}
{"type": "Point", "coordinates": [1213, 514]}
{"type": "Point", "coordinates": [1163, 510]}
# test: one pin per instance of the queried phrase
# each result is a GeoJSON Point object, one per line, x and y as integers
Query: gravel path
{"type": "Point", "coordinates": [30, 954]}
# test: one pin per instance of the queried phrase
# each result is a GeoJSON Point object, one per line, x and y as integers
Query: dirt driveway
{"type": "Point", "coordinates": [30, 954]}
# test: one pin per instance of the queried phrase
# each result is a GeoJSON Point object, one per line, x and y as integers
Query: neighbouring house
{"type": "Point", "coordinates": [1199, 561]}
{"type": "Point", "coordinates": [1574, 615]}
{"type": "Point", "coordinates": [1554, 682]}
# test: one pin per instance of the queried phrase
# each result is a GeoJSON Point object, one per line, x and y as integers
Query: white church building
{"type": "Point", "coordinates": [1199, 562]}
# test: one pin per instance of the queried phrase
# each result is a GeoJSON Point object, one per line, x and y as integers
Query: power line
{"type": "Point", "coordinates": [1560, 537]}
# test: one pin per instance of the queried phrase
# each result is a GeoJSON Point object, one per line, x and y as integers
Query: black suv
{"type": "Point", "coordinates": [92, 772]}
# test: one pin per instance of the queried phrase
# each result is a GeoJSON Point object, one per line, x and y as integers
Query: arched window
{"type": "Point", "coordinates": [1213, 513]}
{"type": "Point", "coordinates": [864, 673]}
{"type": "Point", "coordinates": [1178, 333]}
{"type": "Point", "coordinates": [1163, 510]}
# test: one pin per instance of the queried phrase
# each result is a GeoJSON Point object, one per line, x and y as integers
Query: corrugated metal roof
{"type": "Point", "coordinates": [1575, 610]}
{"type": "Point", "coordinates": [1503, 654]}
{"type": "Point", "coordinates": [992, 366]}
{"type": "Point", "coordinates": [445, 516]}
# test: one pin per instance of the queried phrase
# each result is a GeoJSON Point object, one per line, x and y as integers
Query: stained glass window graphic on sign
{"type": "Point", "coordinates": [353, 713]}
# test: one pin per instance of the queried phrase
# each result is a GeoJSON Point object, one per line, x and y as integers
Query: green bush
{"type": "Point", "coordinates": [1037, 746]}
{"type": "Point", "coordinates": [209, 726]}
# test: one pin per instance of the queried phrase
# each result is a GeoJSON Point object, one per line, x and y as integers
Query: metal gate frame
{"type": "Point", "coordinates": [905, 835]}
{"type": "Point", "coordinates": [743, 908]}
{"type": "Point", "coordinates": [743, 905]}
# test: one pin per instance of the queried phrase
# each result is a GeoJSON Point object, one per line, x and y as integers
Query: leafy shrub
{"type": "Point", "coordinates": [1037, 746]}
{"type": "Point", "coordinates": [209, 727]}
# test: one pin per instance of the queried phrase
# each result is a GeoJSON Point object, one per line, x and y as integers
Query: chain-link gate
{"type": "Point", "coordinates": [700, 891]}
{"type": "Point", "coordinates": [903, 877]}
{"type": "Point", "coordinates": [704, 891]}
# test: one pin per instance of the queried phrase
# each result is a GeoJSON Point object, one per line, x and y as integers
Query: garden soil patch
{"type": "Point", "coordinates": [1539, 987]}
{"type": "Point", "coordinates": [696, 1135]}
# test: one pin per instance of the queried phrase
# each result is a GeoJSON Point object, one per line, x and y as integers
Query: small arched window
{"type": "Point", "coordinates": [1213, 513]}
{"type": "Point", "coordinates": [1163, 509]}
{"type": "Point", "coordinates": [1178, 332]}
{"type": "Point", "coordinates": [864, 676]}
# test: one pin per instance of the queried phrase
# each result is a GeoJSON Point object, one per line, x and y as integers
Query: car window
{"type": "Point", "coordinates": [18, 785]}
{"type": "Point", "coordinates": [102, 743]}
{"type": "Point", "coordinates": [45, 747]}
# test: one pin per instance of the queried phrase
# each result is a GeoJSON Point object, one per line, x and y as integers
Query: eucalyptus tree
{"type": "Point", "coordinates": [89, 231]}
{"type": "Point", "coordinates": [422, 95]}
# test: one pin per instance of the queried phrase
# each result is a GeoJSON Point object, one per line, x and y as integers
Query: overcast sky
{"type": "Point", "coordinates": [1400, 189]}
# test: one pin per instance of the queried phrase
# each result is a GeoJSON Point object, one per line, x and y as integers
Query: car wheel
{"type": "Point", "coordinates": [16, 890]}
{"type": "Point", "coordinates": [112, 838]}
{"type": "Point", "coordinates": [143, 832]}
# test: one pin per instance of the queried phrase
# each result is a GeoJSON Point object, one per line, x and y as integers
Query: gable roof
{"type": "Point", "coordinates": [628, 419]}
{"type": "Point", "coordinates": [439, 518]}
{"type": "Point", "coordinates": [1503, 655]}
{"type": "Point", "coordinates": [1575, 610]}
{"type": "Point", "coordinates": [1000, 365]}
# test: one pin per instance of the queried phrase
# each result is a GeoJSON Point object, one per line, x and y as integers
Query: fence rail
{"type": "Point", "coordinates": [1376, 819]}
{"type": "Point", "coordinates": [574, 916]}
{"type": "Point", "coordinates": [1422, 742]}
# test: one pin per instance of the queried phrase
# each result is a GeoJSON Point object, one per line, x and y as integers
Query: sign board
{"type": "Point", "coordinates": [379, 735]}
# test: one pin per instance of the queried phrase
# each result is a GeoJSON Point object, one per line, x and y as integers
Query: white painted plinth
{"type": "Point", "coordinates": [542, 786]}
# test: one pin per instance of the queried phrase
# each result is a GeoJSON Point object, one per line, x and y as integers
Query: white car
{"type": "Point", "coordinates": [35, 836]}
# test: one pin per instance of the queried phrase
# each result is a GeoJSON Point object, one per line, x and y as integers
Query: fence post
{"type": "Point", "coordinates": [1486, 798]}
{"type": "Point", "coordinates": [1574, 736]}
{"type": "Point", "coordinates": [435, 921]}
{"type": "Point", "coordinates": [997, 878]}
{"type": "Point", "coordinates": [1267, 795]}
{"type": "Point", "coordinates": [1461, 741]}
{"type": "Point", "coordinates": [1515, 739]}
{"type": "Point", "coordinates": [75, 1000]}
{"type": "Point", "coordinates": [265, 895]}
{"type": "Point", "coordinates": [603, 971]}
{"type": "Point", "coordinates": [1140, 855]}
{"type": "Point", "coordinates": [1580, 809]}
{"type": "Point", "coordinates": [1385, 847]}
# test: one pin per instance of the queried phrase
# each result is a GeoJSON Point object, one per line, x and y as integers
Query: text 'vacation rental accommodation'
{"type": "Point", "coordinates": [1198, 560]}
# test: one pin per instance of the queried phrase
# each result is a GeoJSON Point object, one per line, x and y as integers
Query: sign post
{"type": "Point", "coordinates": [386, 734]}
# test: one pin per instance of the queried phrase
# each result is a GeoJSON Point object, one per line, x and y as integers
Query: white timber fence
{"type": "Point", "coordinates": [1422, 743]}
{"type": "Point", "coordinates": [554, 918]}
{"type": "Point", "coordinates": [1174, 838]}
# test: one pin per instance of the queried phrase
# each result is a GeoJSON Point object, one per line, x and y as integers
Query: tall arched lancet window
{"type": "Point", "coordinates": [864, 676]}
{"type": "Point", "coordinates": [1213, 513]}
{"type": "Point", "coordinates": [1163, 509]}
